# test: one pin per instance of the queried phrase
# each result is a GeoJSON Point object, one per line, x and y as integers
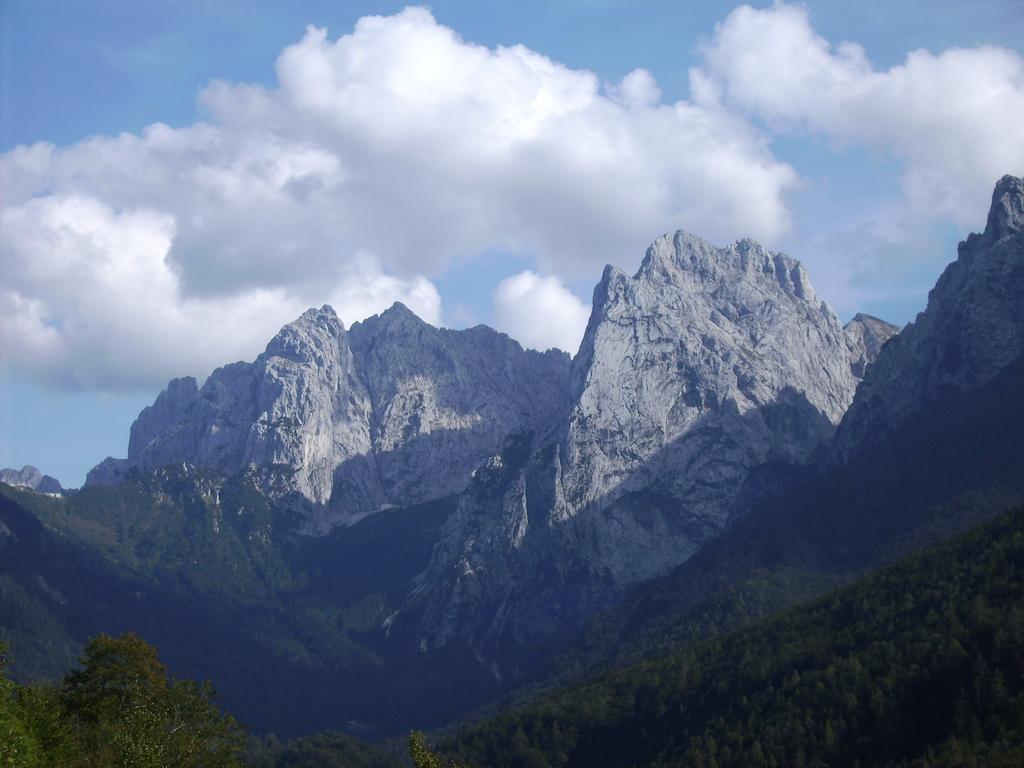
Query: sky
{"type": "Point", "coordinates": [179, 179]}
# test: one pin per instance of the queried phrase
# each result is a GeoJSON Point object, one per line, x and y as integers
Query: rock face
{"type": "Point", "coordinates": [708, 365]}
{"type": "Point", "coordinates": [972, 328]}
{"type": "Point", "coordinates": [726, 349]}
{"type": "Point", "coordinates": [865, 336]}
{"type": "Point", "coordinates": [30, 477]}
{"type": "Point", "coordinates": [391, 412]}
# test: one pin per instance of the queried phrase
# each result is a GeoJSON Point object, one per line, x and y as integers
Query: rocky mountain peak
{"type": "Point", "coordinates": [396, 319]}
{"type": "Point", "coordinates": [699, 333]}
{"type": "Point", "coordinates": [683, 251]}
{"type": "Point", "coordinates": [391, 411]}
{"type": "Point", "coordinates": [1006, 215]}
{"type": "Point", "coordinates": [310, 334]}
{"type": "Point", "coordinates": [972, 328]}
{"type": "Point", "coordinates": [706, 366]}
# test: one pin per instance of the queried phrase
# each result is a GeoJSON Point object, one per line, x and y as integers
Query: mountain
{"type": "Point", "coordinates": [698, 382]}
{"type": "Point", "coordinates": [918, 665]}
{"type": "Point", "coordinates": [391, 412]}
{"type": "Point", "coordinates": [30, 477]}
{"type": "Point", "coordinates": [698, 379]}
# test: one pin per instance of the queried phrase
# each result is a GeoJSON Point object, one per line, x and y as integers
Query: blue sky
{"type": "Point", "coordinates": [157, 252]}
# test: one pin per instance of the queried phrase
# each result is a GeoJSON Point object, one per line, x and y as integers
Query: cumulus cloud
{"type": "Point", "coordinates": [955, 119]}
{"type": "Point", "coordinates": [91, 301]}
{"type": "Point", "coordinates": [376, 158]}
{"type": "Point", "coordinates": [540, 312]}
{"type": "Point", "coordinates": [381, 155]}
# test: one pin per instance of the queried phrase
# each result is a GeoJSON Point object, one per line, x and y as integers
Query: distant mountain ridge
{"type": "Point", "coordinates": [31, 477]}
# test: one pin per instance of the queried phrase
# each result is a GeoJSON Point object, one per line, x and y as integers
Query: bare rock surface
{"type": "Point", "coordinates": [971, 329]}
{"type": "Point", "coordinates": [390, 412]}
{"type": "Point", "coordinates": [865, 335]}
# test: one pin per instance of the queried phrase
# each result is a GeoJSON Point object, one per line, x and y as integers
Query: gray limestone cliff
{"type": "Point", "coordinates": [972, 328]}
{"type": "Point", "coordinates": [705, 347]}
{"type": "Point", "coordinates": [390, 412]}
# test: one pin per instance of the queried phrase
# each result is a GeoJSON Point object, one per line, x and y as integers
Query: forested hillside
{"type": "Point", "coordinates": [224, 585]}
{"type": "Point", "coordinates": [919, 664]}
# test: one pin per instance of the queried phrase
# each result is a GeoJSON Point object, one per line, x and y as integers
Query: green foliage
{"type": "Point", "coordinates": [119, 709]}
{"type": "Point", "coordinates": [423, 757]}
{"type": "Point", "coordinates": [17, 747]}
{"type": "Point", "coordinates": [420, 753]}
{"type": "Point", "coordinates": [917, 665]}
{"type": "Point", "coordinates": [126, 710]}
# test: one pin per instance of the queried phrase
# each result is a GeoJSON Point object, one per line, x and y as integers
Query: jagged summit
{"type": "Point", "coordinates": [706, 366]}
{"type": "Point", "coordinates": [686, 251]}
{"type": "Point", "coordinates": [1006, 215]}
{"type": "Point", "coordinates": [397, 315]}
{"type": "Point", "coordinates": [698, 333]}
{"type": "Point", "coordinates": [316, 330]}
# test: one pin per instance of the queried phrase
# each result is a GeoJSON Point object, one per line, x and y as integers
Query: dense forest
{"type": "Point", "coordinates": [920, 664]}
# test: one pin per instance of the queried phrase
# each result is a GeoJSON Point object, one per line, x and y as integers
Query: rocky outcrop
{"type": "Point", "coordinates": [442, 400]}
{"type": "Point", "coordinates": [865, 335]}
{"type": "Point", "coordinates": [390, 412]}
{"type": "Point", "coordinates": [972, 328]}
{"type": "Point", "coordinates": [706, 363]}
{"type": "Point", "coordinates": [30, 477]}
{"type": "Point", "coordinates": [709, 366]}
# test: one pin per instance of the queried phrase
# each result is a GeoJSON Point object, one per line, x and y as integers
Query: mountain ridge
{"type": "Point", "coordinates": [698, 380]}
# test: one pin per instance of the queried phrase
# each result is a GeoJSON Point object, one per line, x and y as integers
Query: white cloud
{"type": "Point", "coordinates": [399, 140]}
{"type": "Point", "coordinates": [955, 120]}
{"type": "Point", "coordinates": [540, 312]}
{"type": "Point", "coordinates": [90, 300]}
